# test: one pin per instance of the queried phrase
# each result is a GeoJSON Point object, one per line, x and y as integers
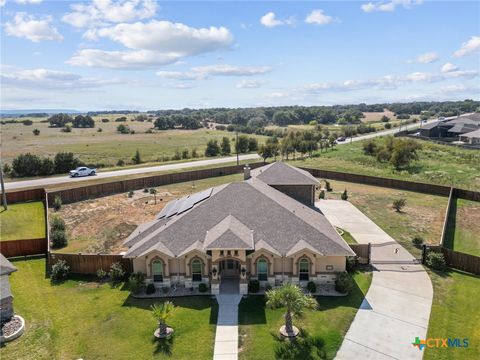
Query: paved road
{"type": "Point", "coordinates": [112, 174]}
{"type": "Point", "coordinates": [396, 308]}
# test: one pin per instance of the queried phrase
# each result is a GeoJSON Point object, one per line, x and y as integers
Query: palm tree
{"type": "Point", "coordinates": [291, 297]}
{"type": "Point", "coordinates": [161, 312]}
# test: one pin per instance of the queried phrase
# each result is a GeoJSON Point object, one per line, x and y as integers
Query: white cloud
{"type": "Point", "coordinates": [204, 72]}
{"type": "Point", "coordinates": [249, 84]}
{"type": "Point", "coordinates": [389, 6]}
{"type": "Point", "coordinates": [449, 67]}
{"type": "Point", "coordinates": [318, 17]}
{"type": "Point", "coordinates": [28, 1]}
{"type": "Point", "coordinates": [49, 79]}
{"type": "Point", "coordinates": [2, 3]}
{"type": "Point", "coordinates": [459, 88]}
{"type": "Point", "coordinates": [422, 76]}
{"type": "Point", "coordinates": [105, 12]}
{"type": "Point", "coordinates": [152, 44]}
{"type": "Point", "coordinates": [270, 20]}
{"type": "Point", "coordinates": [469, 47]}
{"type": "Point", "coordinates": [28, 27]}
{"type": "Point", "coordinates": [426, 58]}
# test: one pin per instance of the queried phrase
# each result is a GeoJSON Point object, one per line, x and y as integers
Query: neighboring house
{"type": "Point", "coordinates": [452, 128]}
{"type": "Point", "coordinates": [6, 297]}
{"type": "Point", "coordinates": [265, 227]}
{"type": "Point", "coordinates": [472, 137]}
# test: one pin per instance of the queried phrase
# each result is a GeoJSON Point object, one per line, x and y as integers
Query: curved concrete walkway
{"type": "Point", "coordinates": [397, 306]}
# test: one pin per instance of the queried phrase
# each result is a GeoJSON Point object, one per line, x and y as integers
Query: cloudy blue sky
{"type": "Point", "coordinates": [147, 54]}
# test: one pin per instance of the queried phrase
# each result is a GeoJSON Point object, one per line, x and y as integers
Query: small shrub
{"type": "Point", "coordinates": [388, 126]}
{"type": "Point", "coordinates": [268, 287]}
{"type": "Point", "coordinates": [116, 272]}
{"type": "Point", "coordinates": [165, 290]}
{"type": "Point", "coordinates": [436, 261]}
{"type": "Point", "coordinates": [345, 195]}
{"type": "Point", "coordinates": [105, 120]}
{"type": "Point", "coordinates": [399, 204]}
{"type": "Point", "coordinates": [417, 240]}
{"type": "Point", "coordinates": [57, 203]}
{"type": "Point", "coordinates": [321, 195]}
{"type": "Point", "coordinates": [57, 223]}
{"type": "Point", "coordinates": [150, 289]}
{"type": "Point", "coordinates": [59, 271]}
{"type": "Point", "coordinates": [99, 130]}
{"type": "Point", "coordinates": [36, 132]}
{"type": "Point", "coordinates": [58, 239]}
{"type": "Point", "coordinates": [121, 162]}
{"type": "Point", "coordinates": [27, 122]}
{"type": "Point", "coordinates": [130, 193]}
{"type": "Point", "coordinates": [145, 190]}
{"type": "Point", "coordinates": [136, 282]}
{"type": "Point", "coordinates": [101, 274]}
{"type": "Point", "coordinates": [343, 283]}
{"type": "Point", "coordinates": [253, 286]}
{"type": "Point", "coordinates": [202, 287]}
{"type": "Point", "coordinates": [352, 263]}
{"type": "Point", "coordinates": [328, 187]}
{"type": "Point", "coordinates": [67, 128]}
{"type": "Point", "coordinates": [311, 287]}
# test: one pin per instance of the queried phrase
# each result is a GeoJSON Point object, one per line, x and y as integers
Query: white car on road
{"type": "Point", "coordinates": [83, 171]}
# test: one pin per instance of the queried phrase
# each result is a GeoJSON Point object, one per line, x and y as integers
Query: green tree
{"type": "Point", "coordinates": [225, 146]}
{"type": "Point", "coordinates": [59, 120]}
{"type": "Point", "coordinates": [26, 165]}
{"type": "Point", "coordinates": [252, 144]}
{"type": "Point", "coordinates": [65, 161]}
{"type": "Point", "coordinates": [242, 145]}
{"type": "Point", "coordinates": [404, 151]}
{"type": "Point", "coordinates": [161, 313]}
{"type": "Point", "coordinates": [399, 204]}
{"type": "Point", "coordinates": [266, 151]}
{"type": "Point", "coordinates": [292, 298]}
{"type": "Point", "coordinates": [137, 159]}
{"type": "Point", "coordinates": [212, 148]}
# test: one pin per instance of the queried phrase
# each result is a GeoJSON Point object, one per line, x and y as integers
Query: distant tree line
{"type": "Point", "coordinates": [79, 121]}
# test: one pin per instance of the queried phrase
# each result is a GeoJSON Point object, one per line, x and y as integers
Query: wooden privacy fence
{"type": "Point", "coordinates": [12, 248]}
{"type": "Point", "coordinates": [363, 251]}
{"type": "Point", "coordinates": [115, 187]}
{"type": "Point", "coordinates": [385, 182]}
{"type": "Point", "coordinates": [90, 263]}
{"type": "Point", "coordinates": [25, 195]}
{"type": "Point", "coordinates": [455, 259]}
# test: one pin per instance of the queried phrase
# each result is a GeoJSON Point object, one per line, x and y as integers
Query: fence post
{"type": "Point", "coordinates": [369, 252]}
{"type": "Point", "coordinates": [424, 253]}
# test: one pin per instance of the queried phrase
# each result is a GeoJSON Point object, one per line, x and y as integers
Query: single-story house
{"type": "Point", "coordinates": [264, 227]}
{"type": "Point", "coordinates": [451, 128]}
{"type": "Point", "coordinates": [6, 297]}
{"type": "Point", "coordinates": [472, 137]}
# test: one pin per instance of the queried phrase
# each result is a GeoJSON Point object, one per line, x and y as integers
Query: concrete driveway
{"type": "Point", "coordinates": [396, 308]}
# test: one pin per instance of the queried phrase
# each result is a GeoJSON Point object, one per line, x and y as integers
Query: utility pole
{"type": "Point", "coordinates": [236, 146]}
{"type": "Point", "coordinates": [4, 195]}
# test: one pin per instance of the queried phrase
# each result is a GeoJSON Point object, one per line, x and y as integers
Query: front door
{"type": "Point", "coordinates": [230, 268]}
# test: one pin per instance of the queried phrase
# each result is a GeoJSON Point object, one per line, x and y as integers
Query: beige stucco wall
{"type": "Point", "coordinates": [217, 257]}
{"type": "Point", "coordinates": [302, 193]}
{"type": "Point", "coordinates": [338, 263]}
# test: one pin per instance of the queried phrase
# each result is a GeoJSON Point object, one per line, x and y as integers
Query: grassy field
{"type": "Point", "coordinates": [106, 147]}
{"type": "Point", "coordinates": [22, 221]}
{"type": "Point", "coordinates": [84, 319]}
{"type": "Point", "coordinates": [325, 327]}
{"type": "Point", "coordinates": [454, 314]}
{"type": "Point", "coordinates": [463, 232]}
{"type": "Point", "coordinates": [101, 224]}
{"type": "Point", "coordinates": [423, 214]}
{"type": "Point", "coordinates": [437, 164]}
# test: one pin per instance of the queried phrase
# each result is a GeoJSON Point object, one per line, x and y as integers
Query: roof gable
{"type": "Point", "coordinates": [280, 173]}
{"type": "Point", "coordinates": [229, 233]}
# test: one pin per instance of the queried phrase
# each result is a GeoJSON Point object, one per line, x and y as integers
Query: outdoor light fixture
{"type": "Point", "coordinates": [243, 271]}
{"type": "Point", "coordinates": [214, 272]}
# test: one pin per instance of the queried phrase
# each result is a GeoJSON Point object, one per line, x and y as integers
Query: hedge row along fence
{"type": "Point", "coordinates": [455, 259]}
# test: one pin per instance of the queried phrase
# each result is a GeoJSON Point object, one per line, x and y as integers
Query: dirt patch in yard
{"type": "Point", "coordinates": [100, 225]}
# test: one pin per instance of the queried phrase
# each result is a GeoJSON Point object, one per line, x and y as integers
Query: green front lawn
{"type": "Point", "coordinates": [84, 319]}
{"type": "Point", "coordinates": [324, 328]}
{"type": "Point", "coordinates": [455, 314]}
{"type": "Point", "coordinates": [23, 221]}
{"type": "Point", "coordinates": [464, 227]}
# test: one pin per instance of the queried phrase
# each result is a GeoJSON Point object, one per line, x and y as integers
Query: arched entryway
{"type": "Point", "coordinates": [230, 276]}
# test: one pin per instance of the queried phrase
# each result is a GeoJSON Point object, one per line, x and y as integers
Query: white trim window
{"type": "Point", "coordinates": [157, 270]}
{"type": "Point", "coordinates": [196, 270]}
{"type": "Point", "coordinates": [262, 270]}
{"type": "Point", "coordinates": [303, 269]}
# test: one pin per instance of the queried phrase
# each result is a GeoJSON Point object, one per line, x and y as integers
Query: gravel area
{"type": "Point", "coordinates": [11, 326]}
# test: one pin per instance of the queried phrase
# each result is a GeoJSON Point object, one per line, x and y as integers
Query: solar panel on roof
{"type": "Point", "coordinates": [167, 209]}
{"type": "Point", "coordinates": [174, 209]}
{"type": "Point", "coordinates": [194, 199]}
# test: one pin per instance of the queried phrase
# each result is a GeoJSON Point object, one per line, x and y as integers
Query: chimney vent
{"type": "Point", "coordinates": [246, 172]}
